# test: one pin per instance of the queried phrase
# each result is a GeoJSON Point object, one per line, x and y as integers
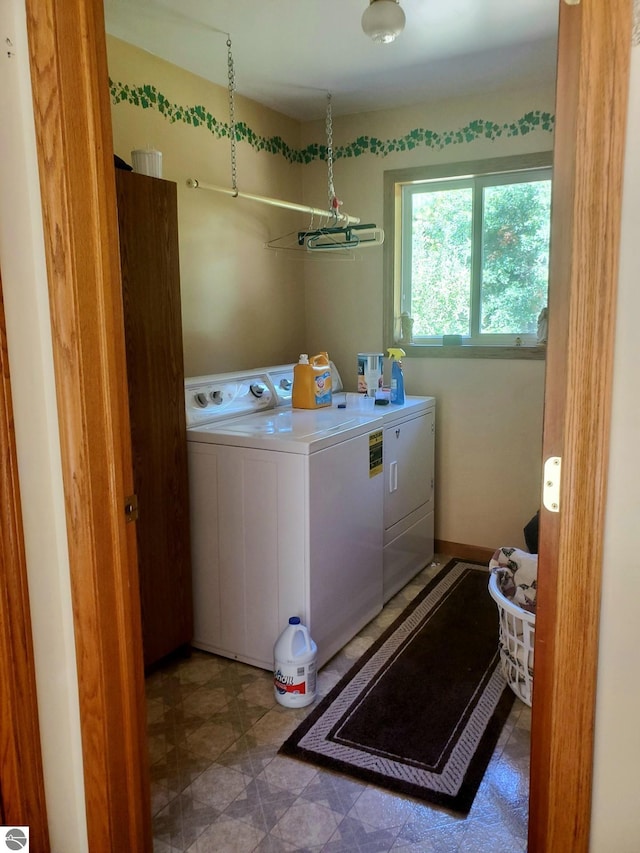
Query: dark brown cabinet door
{"type": "Point", "coordinates": [148, 226]}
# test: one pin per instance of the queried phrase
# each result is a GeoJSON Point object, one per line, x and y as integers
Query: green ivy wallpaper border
{"type": "Point", "coordinates": [147, 96]}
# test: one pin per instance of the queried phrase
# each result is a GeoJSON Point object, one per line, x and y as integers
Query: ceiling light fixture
{"type": "Point", "coordinates": [383, 20]}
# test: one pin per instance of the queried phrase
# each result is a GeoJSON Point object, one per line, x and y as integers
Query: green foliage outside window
{"type": "Point", "coordinates": [441, 263]}
{"type": "Point", "coordinates": [515, 249]}
{"type": "Point", "coordinates": [477, 257]}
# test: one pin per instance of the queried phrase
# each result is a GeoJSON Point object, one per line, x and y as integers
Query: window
{"type": "Point", "coordinates": [470, 251]}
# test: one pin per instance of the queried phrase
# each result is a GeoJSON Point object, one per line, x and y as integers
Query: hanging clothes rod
{"type": "Point", "coordinates": [195, 184]}
{"type": "Point", "coordinates": [348, 237]}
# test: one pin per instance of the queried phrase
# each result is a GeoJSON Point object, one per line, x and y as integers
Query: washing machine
{"type": "Point", "coordinates": [286, 515]}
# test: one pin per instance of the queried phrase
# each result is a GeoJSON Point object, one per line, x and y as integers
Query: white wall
{"type": "Point", "coordinates": [24, 286]}
{"type": "Point", "coordinates": [489, 415]}
{"type": "Point", "coordinates": [242, 305]}
{"type": "Point", "coordinates": [615, 815]}
{"type": "Point", "coordinates": [489, 445]}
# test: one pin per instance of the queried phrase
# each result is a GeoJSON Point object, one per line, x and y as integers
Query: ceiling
{"type": "Point", "coordinates": [289, 53]}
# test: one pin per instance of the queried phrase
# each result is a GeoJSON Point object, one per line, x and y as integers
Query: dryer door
{"type": "Point", "coordinates": [408, 467]}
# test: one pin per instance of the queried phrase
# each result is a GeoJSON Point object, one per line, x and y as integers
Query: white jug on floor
{"type": "Point", "coordinates": [294, 666]}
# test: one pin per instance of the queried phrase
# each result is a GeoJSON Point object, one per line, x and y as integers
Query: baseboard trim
{"type": "Point", "coordinates": [465, 552]}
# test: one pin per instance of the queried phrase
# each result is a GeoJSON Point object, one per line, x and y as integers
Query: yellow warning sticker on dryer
{"type": "Point", "coordinates": [375, 453]}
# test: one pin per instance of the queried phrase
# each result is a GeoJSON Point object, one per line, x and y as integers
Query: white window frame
{"type": "Point", "coordinates": [401, 184]}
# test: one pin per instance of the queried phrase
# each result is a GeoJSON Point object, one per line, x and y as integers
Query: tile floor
{"type": "Point", "coordinates": [218, 784]}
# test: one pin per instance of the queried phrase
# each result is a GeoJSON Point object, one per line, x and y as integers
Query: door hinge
{"type": "Point", "coordinates": [551, 484]}
{"type": "Point", "coordinates": [131, 508]}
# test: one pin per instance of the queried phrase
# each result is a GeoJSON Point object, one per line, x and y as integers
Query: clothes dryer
{"type": "Point", "coordinates": [409, 483]}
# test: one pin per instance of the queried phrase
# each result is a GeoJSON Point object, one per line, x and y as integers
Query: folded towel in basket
{"type": "Point", "coordinates": [517, 573]}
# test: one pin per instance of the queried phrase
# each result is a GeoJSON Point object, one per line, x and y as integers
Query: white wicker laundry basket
{"type": "Point", "coordinates": [517, 634]}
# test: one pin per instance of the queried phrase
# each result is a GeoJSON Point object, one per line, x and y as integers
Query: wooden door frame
{"type": "Point", "coordinates": [69, 77]}
{"type": "Point", "coordinates": [591, 108]}
{"type": "Point", "coordinates": [75, 154]}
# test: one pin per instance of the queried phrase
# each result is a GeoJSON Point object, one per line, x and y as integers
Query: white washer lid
{"type": "Point", "coordinates": [301, 431]}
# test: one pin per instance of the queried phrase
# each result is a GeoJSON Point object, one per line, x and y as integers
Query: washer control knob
{"type": "Point", "coordinates": [257, 390]}
{"type": "Point", "coordinates": [286, 384]}
{"type": "Point", "coordinates": [216, 397]}
{"type": "Point", "coordinates": [200, 399]}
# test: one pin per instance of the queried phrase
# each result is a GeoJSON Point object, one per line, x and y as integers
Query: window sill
{"type": "Point", "coordinates": [537, 353]}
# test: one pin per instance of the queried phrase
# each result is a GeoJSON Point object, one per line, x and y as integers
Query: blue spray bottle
{"type": "Point", "coordinates": [397, 376]}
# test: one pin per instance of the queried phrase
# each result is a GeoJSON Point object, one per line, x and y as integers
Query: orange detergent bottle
{"type": "Point", "coordinates": [311, 382]}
